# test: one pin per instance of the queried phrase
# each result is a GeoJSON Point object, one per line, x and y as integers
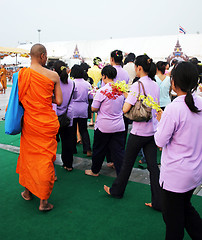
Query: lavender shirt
{"type": "Point", "coordinates": [66, 93]}
{"type": "Point", "coordinates": [179, 133]}
{"type": "Point", "coordinates": [151, 88]}
{"type": "Point", "coordinates": [121, 75]}
{"type": "Point", "coordinates": [80, 103]}
{"type": "Point", "coordinates": [110, 114]}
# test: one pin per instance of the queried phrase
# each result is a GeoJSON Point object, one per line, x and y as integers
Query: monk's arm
{"type": "Point", "coordinates": [57, 98]}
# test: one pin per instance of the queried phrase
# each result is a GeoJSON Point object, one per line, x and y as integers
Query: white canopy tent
{"type": "Point", "coordinates": [158, 47]}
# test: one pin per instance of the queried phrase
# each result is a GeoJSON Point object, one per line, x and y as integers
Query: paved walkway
{"type": "Point", "coordinates": [137, 175]}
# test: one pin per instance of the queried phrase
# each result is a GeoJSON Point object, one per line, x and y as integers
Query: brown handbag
{"type": "Point", "coordinates": [140, 112]}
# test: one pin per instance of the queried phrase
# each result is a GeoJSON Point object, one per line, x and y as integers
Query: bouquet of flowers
{"type": "Point", "coordinates": [93, 90]}
{"type": "Point", "coordinates": [149, 101]}
{"type": "Point", "coordinates": [117, 89]}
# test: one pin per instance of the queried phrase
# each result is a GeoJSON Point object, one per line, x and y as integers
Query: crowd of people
{"type": "Point", "coordinates": [176, 129]}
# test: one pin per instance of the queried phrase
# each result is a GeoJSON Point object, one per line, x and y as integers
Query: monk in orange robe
{"type": "Point", "coordinates": [3, 78]}
{"type": "Point", "coordinates": [37, 86]}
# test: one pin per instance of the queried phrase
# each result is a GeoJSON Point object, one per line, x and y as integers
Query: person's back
{"type": "Point", "coordinates": [181, 152]}
{"type": "Point", "coordinates": [95, 74]}
{"type": "Point", "coordinates": [164, 90]}
{"type": "Point", "coordinates": [110, 114]}
{"type": "Point", "coordinates": [130, 69]}
{"type": "Point", "coordinates": [179, 135]}
{"type": "Point", "coordinates": [122, 75]}
{"type": "Point", "coordinates": [80, 103]}
{"type": "Point", "coordinates": [152, 89]}
{"type": "Point", "coordinates": [38, 143]}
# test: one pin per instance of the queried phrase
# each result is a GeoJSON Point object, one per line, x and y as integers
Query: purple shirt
{"type": "Point", "coordinates": [66, 93]}
{"type": "Point", "coordinates": [121, 75]}
{"type": "Point", "coordinates": [179, 133]}
{"type": "Point", "coordinates": [151, 88]}
{"type": "Point", "coordinates": [110, 114]}
{"type": "Point", "coordinates": [80, 103]}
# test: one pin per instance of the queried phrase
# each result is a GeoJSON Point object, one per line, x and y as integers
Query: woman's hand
{"type": "Point", "coordinates": [125, 94]}
{"type": "Point", "coordinates": [158, 115]}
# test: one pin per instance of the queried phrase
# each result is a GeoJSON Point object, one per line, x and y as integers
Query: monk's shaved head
{"type": "Point", "coordinates": [37, 50]}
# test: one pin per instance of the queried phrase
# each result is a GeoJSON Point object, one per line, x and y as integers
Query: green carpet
{"type": "Point", "coordinates": [82, 209]}
{"type": "Point", "coordinates": [15, 141]}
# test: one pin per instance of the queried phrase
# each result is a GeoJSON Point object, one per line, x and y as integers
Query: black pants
{"type": "Point", "coordinates": [135, 143]}
{"type": "Point", "coordinates": [126, 122]}
{"type": "Point", "coordinates": [66, 135]}
{"type": "Point", "coordinates": [178, 213]}
{"type": "Point", "coordinates": [114, 142]}
{"type": "Point", "coordinates": [82, 122]}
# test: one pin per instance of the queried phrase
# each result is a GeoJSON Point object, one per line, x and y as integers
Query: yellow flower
{"type": "Point", "coordinates": [121, 86]}
{"type": "Point", "coordinates": [149, 101]}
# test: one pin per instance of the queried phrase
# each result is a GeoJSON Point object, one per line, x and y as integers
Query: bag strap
{"type": "Point", "coordinates": [71, 95]}
{"type": "Point", "coordinates": [140, 83]}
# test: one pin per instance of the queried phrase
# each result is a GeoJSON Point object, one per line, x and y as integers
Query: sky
{"type": "Point", "coordinates": [67, 20]}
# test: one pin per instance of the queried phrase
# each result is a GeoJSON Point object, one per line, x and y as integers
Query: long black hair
{"type": "Point", "coordinates": [61, 68]}
{"type": "Point", "coordinates": [185, 76]}
{"type": "Point", "coordinates": [147, 64]}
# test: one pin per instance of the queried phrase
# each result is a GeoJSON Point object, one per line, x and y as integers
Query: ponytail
{"type": "Point", "coordinates": [61, 69]}
{"type": "Point", "coordinates": [190, 102]}
{"type": "Point", "coordinates": [152, 71]}
{"type": "Point", "coordinates": [64, 76]}
{"type": "Point", "coordinates": [147, 64]}
{"type": "Point", "coordinates": [185, 76]}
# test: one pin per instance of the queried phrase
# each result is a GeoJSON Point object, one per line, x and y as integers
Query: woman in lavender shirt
{"type": "Point", "coordinates": [66, 133]}
{"type": "Point", "coordinates": [179, 133]}
{"type": "Point", "coordinates": [141, 135]}
{"type": "Point", "coordinates": [116, 60]}
{"type": "Point", "coordinates": [109, 127]}
{"type": "Point", "coordinates": [80, 108]}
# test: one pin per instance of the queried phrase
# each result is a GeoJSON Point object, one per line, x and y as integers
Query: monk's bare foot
{"type": "Point", "coordinates": [56, 178]}
{"type": "Point", "coordinates": [45, 206]}
{"type": "Point", "coordinates": [90, 173]}
{"type": "Point", "coordinates": [27, 195]}
{"type": "Point", "coordinates": [148, 204]}
{"type": "Point", "coordinates": [107, 189]}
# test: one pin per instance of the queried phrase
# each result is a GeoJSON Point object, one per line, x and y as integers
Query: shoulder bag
{"type": "Point", "coordinates": [140, 112]}
{"type": "Point", "coordinates": [15, 110]}
{"type": "Point", "coordinates": [63, 119]}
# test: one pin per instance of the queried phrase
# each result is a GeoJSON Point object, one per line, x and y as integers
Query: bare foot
{"type": "Point", "coordinates": [45, 206]}
{"type": "Point", "coordinates": [89, 153]}
{"type": "Point", "coordinates": [90, 173]}
{"type": "Point", "coordinates": [148, 204]}
{"type": "Point", "coordinates": [110, 164]}
{"type": "Point", "coordinates": [107, 189]}
{"type": "Point", "coordinates": [27, 195]}
{"type": "Point", "coordinates": [56, 178]}
{"type": "Point", "coordinates": [68, 169]}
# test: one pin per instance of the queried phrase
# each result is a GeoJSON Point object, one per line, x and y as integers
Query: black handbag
{"type": "Point", "coordinates": [139, 112]}
{"type": "Point", "coordinates": [63, 119]}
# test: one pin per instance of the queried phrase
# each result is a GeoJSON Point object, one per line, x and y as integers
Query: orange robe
{"type": "Point", "coordinates": [38, 143]}
{"type": "Point", "coordinates": [3, 78]}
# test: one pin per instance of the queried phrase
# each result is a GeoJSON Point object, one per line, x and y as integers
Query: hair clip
{"type": "Point", "coordinates": [149, 60]}
{"type": "Point", "coordinates": [62, 68]}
